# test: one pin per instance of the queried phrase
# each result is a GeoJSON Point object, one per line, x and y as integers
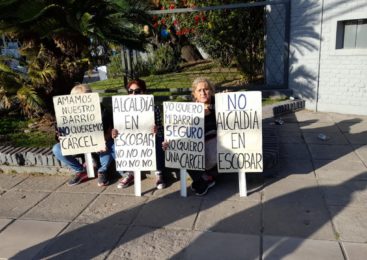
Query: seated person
{"type": "Point", "coordinates": [105, 157]}
{"type": "Point", "coordinates": [136, 87]}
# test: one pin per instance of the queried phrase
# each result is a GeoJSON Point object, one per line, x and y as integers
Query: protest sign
{"type": "Point", "coordinates": [79, 123]}
{"type": "Point", "coordinates": [239, 130]}
{"type": "Point", "coordinates": [133, 117]}
{"type": "Point", "coordinates": [184, 130]}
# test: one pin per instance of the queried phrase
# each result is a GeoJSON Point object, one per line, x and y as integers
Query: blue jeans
{"type": "Point", "coordinates": [105, 158]}
{"type": "Point", "coordinates": [68, 160]}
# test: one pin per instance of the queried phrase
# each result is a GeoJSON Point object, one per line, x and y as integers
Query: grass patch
{"type": "Point", "coordinates": [270, 101]}
{"type": "Point", "coordinates": [32, 139]}
{"type": "Point", "coordinates": [181, 79]}
{"type": "Point", "coordinates": [12, 132]}
{"type": "Point", "coordinates": [110, 84]}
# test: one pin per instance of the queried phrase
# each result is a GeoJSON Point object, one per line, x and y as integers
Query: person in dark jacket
{"type": "Point", "coordinates": [137, 87]}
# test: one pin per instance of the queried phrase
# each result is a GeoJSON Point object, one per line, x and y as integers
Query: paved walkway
{"type": "Point", "coordinates": [315, 208]}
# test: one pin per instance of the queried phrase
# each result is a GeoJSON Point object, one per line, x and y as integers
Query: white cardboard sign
{"type": "Point", "coordinates": [184, 130]}
{"type": "Point", "coordinates": [133, 117]}
{"type": "Point", "coordinates": [239, 129]}
{"type": "Point", "coordinates": [79, 122]}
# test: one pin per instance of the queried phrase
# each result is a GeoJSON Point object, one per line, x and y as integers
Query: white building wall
{"type": "Point", "coordinates": [343, 72]}
{"type": "Point", "coordinates": [330, 80]}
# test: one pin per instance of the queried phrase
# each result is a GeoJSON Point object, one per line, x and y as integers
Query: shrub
{"type": "Point", "coordinates": [114, 68]}
{"type": "Point", "coordinates": [164, 60]}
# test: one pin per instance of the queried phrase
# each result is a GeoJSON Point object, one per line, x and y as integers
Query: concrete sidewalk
{"type": "Point", "coordinates": [315, 207]}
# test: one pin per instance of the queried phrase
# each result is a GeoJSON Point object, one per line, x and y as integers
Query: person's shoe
{"type": "Point", "coordinates": [202, 187]}
{"type": "Point", "coordinates": [160, 184]}
{"type": "Point", "coordinates": [102, 180]}
{"type": "Point", "coordinates": [78, 178]}
{"type": "Point", "coordinates": [126, 181]}
{"type": "Point", "coordinates": [194, 186]}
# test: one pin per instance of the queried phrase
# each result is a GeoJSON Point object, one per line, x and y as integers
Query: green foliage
{"type": "Point", "coordinates": [231, 36]}
{"type": "Point", "coordinates": [17, 91]}
{"type": "Point", "coordinates": [60, 39]}
{"type": "Point", "coordinates": [32, 139]}
{"type": "Point", "coordinates": [143, 68]}
{"type": "Point", "coordinates": [164, 60]}
{"type": "Point", "coordinates": [13, 128]}
{"type": "Point", "coordinates": [114, 68]}
{"type": "Point", "coordinates": [182, 79]}
{"type": "Point", "coordinates": [10, 124]}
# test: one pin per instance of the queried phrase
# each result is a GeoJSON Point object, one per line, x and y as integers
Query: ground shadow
{"type": "Point", "coordinates": [92, 240]}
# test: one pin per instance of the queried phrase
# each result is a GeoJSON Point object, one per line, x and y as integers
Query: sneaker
{"type": "Point", "coordinates": [102, 180]}
{"type": "Point", "coordinates": [160, 184]}
{"type": "Point", "coordinates": [194, 185]}
{"type": "Point", "coordinates": [126, 181]}
{"type": "Point", "coordinates": [78, 178]}
{"type": "Point", "coordinates": [202, 187]}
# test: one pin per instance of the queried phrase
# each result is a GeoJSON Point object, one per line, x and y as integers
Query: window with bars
{"type": "Point", "coordinates": [351, 34]}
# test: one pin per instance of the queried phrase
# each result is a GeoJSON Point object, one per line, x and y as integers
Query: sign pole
{"type": "Point", "coordinates": [89, 165]}
{"type": "Point", "coordinates": [137, 183]}
{"type": "Point", "coordinates": [183, 178]}
{"type": "Point", "coordinates": [242, 184]}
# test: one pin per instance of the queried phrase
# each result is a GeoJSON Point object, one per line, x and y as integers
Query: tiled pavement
{"type": "Point", "coordinates": [314, 207]}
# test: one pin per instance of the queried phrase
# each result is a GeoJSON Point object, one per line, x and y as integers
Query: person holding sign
{"type": "Point", "coordinates": [105, 157]}
{"type": "Point", "coordinates": [138, 87]}
{"type": "Point", "coordinates": [203, 92]}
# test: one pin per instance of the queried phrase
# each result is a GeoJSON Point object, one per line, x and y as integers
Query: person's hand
{"type": "Point", "coordinates": [207, 110]}
{"type": "Point", "coordinates": [155, 129]}
{"type": "Point", "coordinates": [114, 133]}
{"type": "Point", "coordinates": [165, 145]}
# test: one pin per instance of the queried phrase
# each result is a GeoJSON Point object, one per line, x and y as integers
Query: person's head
{"type": "Point", "coordinates": [136, 87]}
{"type": "Point", "coordinates": [202, 90]}
{"type": "Point", "coordinates": [80, 89]}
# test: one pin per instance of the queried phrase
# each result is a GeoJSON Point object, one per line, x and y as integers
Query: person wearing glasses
{"type": "Point", "coordinates": [138, 87]}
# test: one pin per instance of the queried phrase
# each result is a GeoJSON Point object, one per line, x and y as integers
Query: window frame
{"type": "Point", "coordinates": [337, 35]}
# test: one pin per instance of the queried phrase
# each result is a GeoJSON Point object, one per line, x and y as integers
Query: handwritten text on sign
{"type": "Point", "coordinates": [239, 123]}
{"type": "Point", "coordinates": [133, 117]}
{"type": "Point", "coordinates": [184, 130]}
{"type": "Point", "coordinates": [79, 123]}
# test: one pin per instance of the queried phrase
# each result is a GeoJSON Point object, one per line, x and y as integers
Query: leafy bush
{"type": "Point", "coordinates": [164, 60]}
{"type": "Point", "coordinates": [12, 133]}
{"type": "Point", "coordinates": [114, 68]}
{"type": "Point", "coordinates": [142, 68]}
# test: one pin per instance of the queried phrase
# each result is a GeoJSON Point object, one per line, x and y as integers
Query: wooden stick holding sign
{"type": "Point", "coordinates": [183, 182]}
{"type": "Point", "coordinates": [239, 129]}
{"type": "Point", "coordinates": [90, 167]}
{"type": "Point", "coordinates": [184, 132]}
{"type": "Point", "coordinates": [242, 184]}
{"type": "Point", "coordinates": [79, 123]}
{"type": "Point", "coordinates": [137, 183]}
{"type": "Point", "coordinates": [133, 117]}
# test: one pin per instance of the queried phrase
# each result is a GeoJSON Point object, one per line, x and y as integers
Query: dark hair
{"type": "Point", "coordinates": [141, 84]}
